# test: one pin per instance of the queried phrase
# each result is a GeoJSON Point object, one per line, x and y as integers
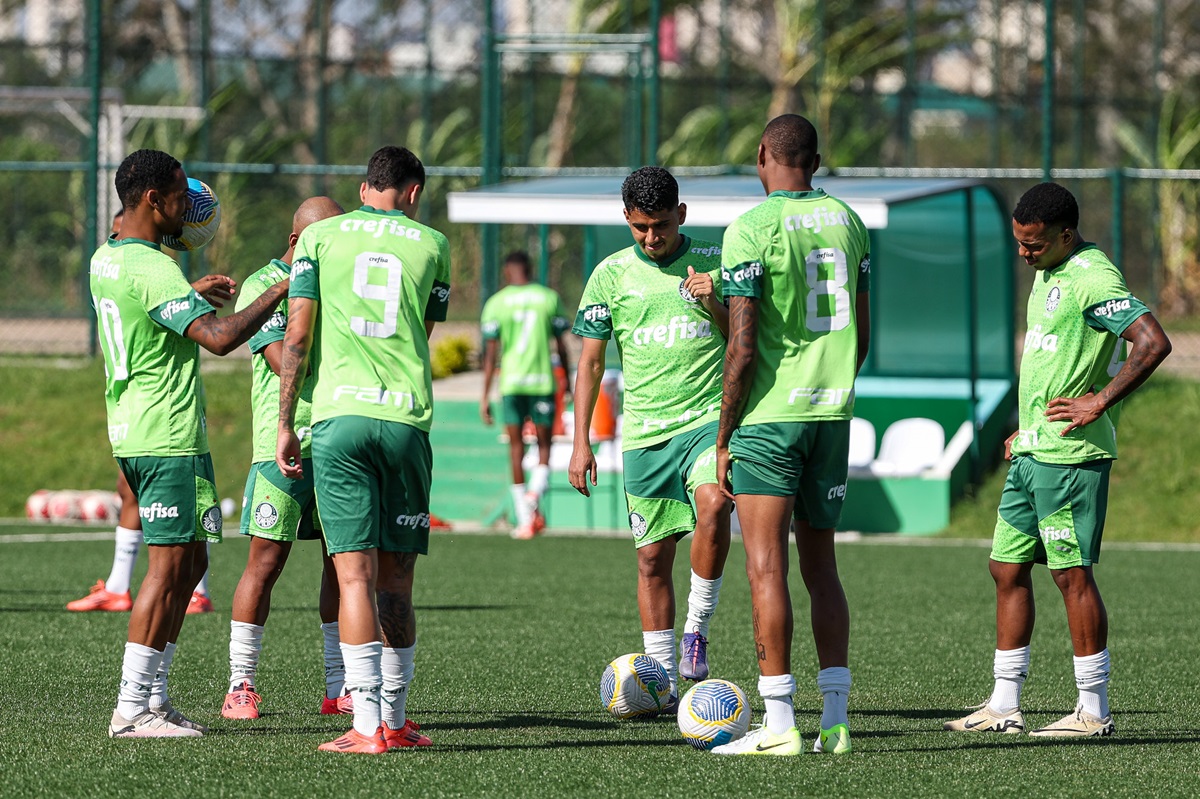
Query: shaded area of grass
{"type": "Point", "coordinates": [513, 637]}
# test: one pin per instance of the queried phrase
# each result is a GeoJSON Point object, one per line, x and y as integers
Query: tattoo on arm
{"type": "Point", "coordinates": [741, 354]}
{"type": "Point", "coordinates": [223, 335]}
{"type": "Point", "coordinates": [296, 343]}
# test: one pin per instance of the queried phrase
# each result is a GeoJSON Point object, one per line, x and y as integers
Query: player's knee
{"type": "Point", "coordinates": [711, 506]}
{"type": "Point", "coordinates": [655, 561]}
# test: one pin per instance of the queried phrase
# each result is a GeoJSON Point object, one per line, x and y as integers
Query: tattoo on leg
{"type": "Point", "coordinates": [758, 644]}
{"type": "Point", "coordinates": [396, 619]}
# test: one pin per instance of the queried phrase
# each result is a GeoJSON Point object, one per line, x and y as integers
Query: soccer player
{"type": "Point", "coordinates": [659, 298]}
{"type": "Point", "coordinates": [367, 289]}
{"type": "Point", "coordinates": [518, 323]}
{"type": "Point", "coordinates": [1074, 373]}
{"type": "Point", "coordinates": [113, 594]}
{"type": "Point", "coordinates": [152, 324]}
{"type": "Point", "coordinates": [796, 270]}
{"type": "Point", "coordinates": [277, 511]}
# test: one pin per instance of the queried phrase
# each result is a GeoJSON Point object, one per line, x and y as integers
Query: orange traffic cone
{"type": "Point", "coordinates": [604, 421]}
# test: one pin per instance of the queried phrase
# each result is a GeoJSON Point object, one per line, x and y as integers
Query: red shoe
{"type": "Point", "coordinates": [355, 742]}
{"type": "Point", "coordinates": [342, 706]}
{"type": "Point", "coordinates": [408, 735]}
{"type": "Point", "coordinates": [242, 703]}
{"type": "Point", "coordinates": [199, 603]}
{"type": "Point", "coordinates": [539, 522]}
{"type": "Point", "coordinates": [100, 598]}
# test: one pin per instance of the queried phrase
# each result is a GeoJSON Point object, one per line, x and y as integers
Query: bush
{"type": "Point", "coordinates": [451, 355]}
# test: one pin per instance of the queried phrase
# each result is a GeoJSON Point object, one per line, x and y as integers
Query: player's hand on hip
{"type": "Point", "coordinates": [699, 285]}
{"type": "Point", "coordinates": [583, 467]}
{"type": "Point", "coordinates": [287, 455]}
{"type": "Point", "coordinates": [723, 469]}
{"type": "Point", "coordinates": [1076, 411]}
{"type": "Point", "coordinates": [217, 289]}
{"type": "Point", "coordinates": [1008, 442]}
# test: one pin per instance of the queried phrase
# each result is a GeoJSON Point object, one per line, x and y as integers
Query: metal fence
{"type": "Point", "coordinates": [271, 102]}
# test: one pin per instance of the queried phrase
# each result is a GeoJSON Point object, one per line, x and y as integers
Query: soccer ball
{"type": "Point", "coordinates": [201, 222]}
{"type": "Point", "coordinates": [63, 505]}
{"type": "Point", "coordinates": [714, 712]}
{"type": "Point", "coordinates": [38, 505]}
{"type": "Point", "coordinates": [634, 685]}
{"type": "Point", "coordinates": [99, 506]}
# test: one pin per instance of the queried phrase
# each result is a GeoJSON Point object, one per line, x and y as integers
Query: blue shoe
{"type": "Point", "coordinates": [671, 707]}
{"type": "Point", "coordinates": [693, 657]}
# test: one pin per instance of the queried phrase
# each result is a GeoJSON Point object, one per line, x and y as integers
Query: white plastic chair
{"type": "Point", "coordinates": [862, 443]}
{"type": "Point", "coordinates": [909, 447]}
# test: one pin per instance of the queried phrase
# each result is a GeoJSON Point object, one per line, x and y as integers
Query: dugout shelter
{"type": "Point", "coordinates": [942, 310]}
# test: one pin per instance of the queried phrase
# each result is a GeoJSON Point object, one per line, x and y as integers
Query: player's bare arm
{"type": "Point", "coordinates": [223, 335]}
{"type": "Point", "coordinates": [701, 287]}
{"type": "Point", "coordinates": [587, 388]}
{"type": "Point", "coordinates": [862, 318]}
{"type": "Point", "coordinates": [1148, 347]}
{"type": "Point", "coordinates": [297, 342]}
{"type": "Point", "coordinates": [217, 289]}
{"type": "Point", "coordinates": [491, 349]}
{"type": "Point", "coordinates": [741, 354]}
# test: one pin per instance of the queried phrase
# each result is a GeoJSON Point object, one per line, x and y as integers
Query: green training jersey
{"type": "Point", "coordinates": [525, 319]}
{"type": "Point", "coordinates": [264, 391]}
{"type": "Point", "coordinates": [805, 256]}
{"type": "Point", "coordinates": [672, 353]}
{"type": "Point", "coordinates": [377, 276]}
{"type": "Point", "coordinates": [153, 391]}
{"type": "Point", "coordinates": [1076, 314]}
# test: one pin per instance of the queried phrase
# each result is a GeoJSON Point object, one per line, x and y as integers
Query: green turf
{"type": "Point", "coordinates": [513, 638]}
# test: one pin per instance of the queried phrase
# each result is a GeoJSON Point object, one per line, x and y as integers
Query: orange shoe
{"type": "Point", "coordinates": [355, 742]}
{"type": "Point", "coordinates": [242, 703]}
{"type": "Point", "coordinates": [409, 734]}
{"type": "Point", "coordinates": [100, 598]}
{"type": "Point", "coordinates": [539, 522]}
{"type": "Point", "coordinates": [199, 603]}
{"type": "Point", "coordinates": [342, 706]}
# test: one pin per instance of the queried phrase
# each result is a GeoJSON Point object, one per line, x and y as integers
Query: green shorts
{"type": "Point", "coordinates": [661, 479]}
{"type": "Point", "coordinates": [177, 498]}
{"type": "Point", "coordinates": [1052, 513]}
{"type": "Point", "coordinates": [279, 508]}
{"type": "Point", "coordinates": [537, 408]}
{"type": "Point", "coordinates": [372, 479]}
{"type": "Point", "coordinates": [807, 460]}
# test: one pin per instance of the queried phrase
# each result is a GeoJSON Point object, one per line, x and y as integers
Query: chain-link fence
{"type": "Point", "coordinates": [272, 101]}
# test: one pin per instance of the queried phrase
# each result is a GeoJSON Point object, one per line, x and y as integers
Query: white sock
{"type": "Point", "coordinates": [124, 559]}
{"type": "Point", "coordinates": [660, 645]}
{"type": "Point", "coordinates": [1091, 678]}
{"type": "Point", "coordinates": [245, 646]}
{"type": "Point", "coordinates": [398, 668]}
{"type": "Point", "coordinates": [834, 685]}
{"type": "Point", "coordinates": [1010, 670]}
{"type": "Point", "coordinates": [539, 481]}
{"type": "Point", "coordinates": [158, 690]}
{"type": "Point", "coordinates": [363, 682]}
{"type": "Point", "coordinates": [202, 588]}
{"type": "Point", "coordinates": [702, 604]}
{"type": "Point", "coordinates": [777, 695]}
{"type": "Point", "coordinates": [138, 668]}
{"type": "Point", "coordinates": [335, 667]}
{"type": "Point", "coordinates": [520, 506]}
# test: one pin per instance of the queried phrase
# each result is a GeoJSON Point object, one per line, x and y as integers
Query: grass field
{"type": "Point", "coordinates": [513, 638]}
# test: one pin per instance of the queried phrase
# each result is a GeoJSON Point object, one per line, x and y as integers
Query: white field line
{"type": "Point", "coordinates": [467, 529]}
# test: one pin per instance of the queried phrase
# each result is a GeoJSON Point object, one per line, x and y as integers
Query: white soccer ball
{"type": "Point", "coordinates": [714, 712]}
{"type": "Point", "coordinates": [634, 685]}
{"type": "Point", "coordinates": [200, 223]}
{"type": "Point", "coordinates": [63, 505]}
{"type": "Point", "coordinates": [99, 506]}
{"type": "Point", "coordinates": [38, 505]}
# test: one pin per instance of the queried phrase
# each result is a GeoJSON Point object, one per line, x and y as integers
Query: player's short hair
{"type": "Point", "coordinates": [650, 189]}
{"type": "Point", "coordinates": [141, 171]}
{"type": "Point", "coordinates": [1048, 203]}
{"type": "Point", "coordinates": [394, 167]}
{"type": "Point", "coordinates": [521, 258]}
{"type": "Point", "coordinates": [791, 140]}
